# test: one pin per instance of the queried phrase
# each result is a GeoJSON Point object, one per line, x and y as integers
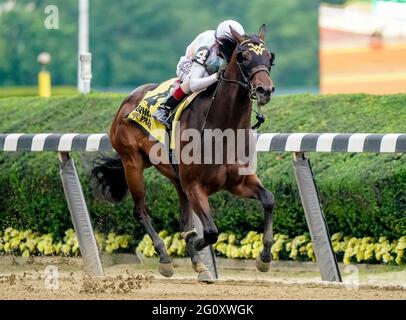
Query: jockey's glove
{"type": "Point", "coordinates": [220, 71]}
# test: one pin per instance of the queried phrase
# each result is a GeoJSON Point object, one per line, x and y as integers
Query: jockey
{"type": "Point", "coordinates": [199, 68]}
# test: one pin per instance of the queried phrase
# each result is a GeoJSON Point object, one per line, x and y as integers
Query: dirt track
{"type": "Point", "coordinates": [184, 290]}
{"type": "Point", "coordinates": [25, 282]}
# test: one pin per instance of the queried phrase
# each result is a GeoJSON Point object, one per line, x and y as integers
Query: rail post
{"type": "Point", "coordinates": [80, 215]}
{"type": "Point", "coordinates": [316, 221]}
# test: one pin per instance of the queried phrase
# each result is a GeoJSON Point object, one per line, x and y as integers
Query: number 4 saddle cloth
{"type": "Point", "coordinates": [142, 113]}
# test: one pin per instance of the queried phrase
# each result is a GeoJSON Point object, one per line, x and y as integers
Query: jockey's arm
{"type": "Point", "coordinates": [198, 79]}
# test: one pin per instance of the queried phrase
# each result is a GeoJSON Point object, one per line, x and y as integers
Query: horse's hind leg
{"type": "Point", "coordinates": [190, 235]}
{"type": "Point", "coordinates": [134, 166]}
{"type": "Point", "coordinates": [251, 187]}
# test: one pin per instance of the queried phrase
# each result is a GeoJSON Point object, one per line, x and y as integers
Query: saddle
{"type": "Point", "coordinates": [142, 113]}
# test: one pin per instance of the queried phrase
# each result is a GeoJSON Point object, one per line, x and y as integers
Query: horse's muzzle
{"type": "Point", "coordinates": [264, 94]}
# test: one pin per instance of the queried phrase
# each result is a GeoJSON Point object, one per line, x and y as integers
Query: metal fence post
{"type": "Point", "coordinates": [316, 221]}
{"type": "Point", "coordinates": [207, 254]}
{"type": "Point", "coordinates": [80, 216]}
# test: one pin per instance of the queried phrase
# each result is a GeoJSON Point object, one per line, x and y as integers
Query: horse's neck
{"type": "Point", "coordinates": [232, 106]}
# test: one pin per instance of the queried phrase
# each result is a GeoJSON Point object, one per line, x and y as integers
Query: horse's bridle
{"type": "Point", "coordinates": [245, 83]}
{"type": "Point", "coordinates": [247, 76]}
{"type": "Point", "coordinates": [246, 80]}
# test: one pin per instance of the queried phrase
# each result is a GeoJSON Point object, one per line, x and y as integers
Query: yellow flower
{"type": "Point", "coordinates": [75, 248]}
{"type": "Point", "coordinates": [167, 241]}
{"type": "Point", "coordinates": [14, 243]}
{"type": "Point", "coordinates": [26, 253]}
{"type": "Point", "coordinates": [109, 249]}
{"type": "Point", "coordinates": [222, 237]}
{"type": "Point", "coordinates": [57, 247]}
{"type": "Point", "coordinates": [232, 238]}
{"type": "Point", "coordinates": [387, 257]}
{"type": "Point", "coordinates": [14, 233]}
{"type": "Point", "coordinates": [41, 246]}
{"type": "Point", "coordinates": [162, 234]}
{"type": "Point", "coordinates": [65, 249]}
{"type": "Point", "coordinates": [48, 249]}
{"type": "Point", "coordinates": [222, 248]}
{"type": "Point", "coordinates": [256, 252]}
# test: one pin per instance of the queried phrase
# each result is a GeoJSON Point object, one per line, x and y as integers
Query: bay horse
{"type": "Point", "coordinates": [247, 75]}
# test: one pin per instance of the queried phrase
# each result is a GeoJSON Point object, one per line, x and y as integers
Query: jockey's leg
{"type": "Point", "coordinates": [170, 103]}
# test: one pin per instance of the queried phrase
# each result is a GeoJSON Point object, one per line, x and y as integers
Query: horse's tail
{"type": "Point", "coordinates": [108, 179]}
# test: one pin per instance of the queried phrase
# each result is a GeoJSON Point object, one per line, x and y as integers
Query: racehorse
{"type": "Point", "coordinates": [226, 105]}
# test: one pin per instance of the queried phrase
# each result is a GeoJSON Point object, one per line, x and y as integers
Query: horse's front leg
{"type": "Point", "coordinates": [251, 187]}
{"type": "Point", "coordinates": [199, 202]}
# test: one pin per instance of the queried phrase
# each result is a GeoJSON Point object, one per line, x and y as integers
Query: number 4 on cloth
{"type": "Point", "coordinates": [201, 55]}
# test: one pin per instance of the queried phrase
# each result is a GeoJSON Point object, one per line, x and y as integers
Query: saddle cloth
{"type": "Point", "coordinates": [142, 113]}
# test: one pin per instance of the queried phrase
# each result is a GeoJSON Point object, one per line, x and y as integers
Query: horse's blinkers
{"type": "Point", "coordinates": [261, 58]}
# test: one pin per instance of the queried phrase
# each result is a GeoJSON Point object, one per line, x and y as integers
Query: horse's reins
{"type": "Point", "coordinates": [247, 85]}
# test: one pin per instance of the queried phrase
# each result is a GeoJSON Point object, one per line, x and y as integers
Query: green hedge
{"type": "Point", "coordinates": [32, 91]}
{"type": "Point", "coordinates": [362, 195]}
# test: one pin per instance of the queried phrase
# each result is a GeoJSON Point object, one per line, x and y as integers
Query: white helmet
{"type": "Point", "coordinates": [223, 29]}
{"type": "Point", "coordinates": [225, 39]}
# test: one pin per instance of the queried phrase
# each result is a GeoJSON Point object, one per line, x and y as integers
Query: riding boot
{"type": "Point", "coordinates": [162, 112]}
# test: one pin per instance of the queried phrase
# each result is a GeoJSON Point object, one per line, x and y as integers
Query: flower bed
{"type": "Point", "coordinates": [28, 243]}
{"type": "Point", "coordinates": [348, 249]}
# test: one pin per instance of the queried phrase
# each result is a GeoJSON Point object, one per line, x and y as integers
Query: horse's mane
{"type": "Point", "coordinates": [228, 48]}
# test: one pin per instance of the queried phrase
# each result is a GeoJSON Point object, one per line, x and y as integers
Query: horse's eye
{"type": "Point", "coordinates": [242, 56]}
{"type": "Point", "coordinates": [272, 59]}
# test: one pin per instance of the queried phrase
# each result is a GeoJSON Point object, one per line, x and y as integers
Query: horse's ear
{"type": "Point", "coordinates": [262, 32]}
{"type": "Point", "coordinates": [236, 35]}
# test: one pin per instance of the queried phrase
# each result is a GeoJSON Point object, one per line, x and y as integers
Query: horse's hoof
{"type": "Point", "coordinates": [199, 267]}
{"type": "Point", "coordinates": [166, 269]}
{"type": "Point", "coordinates": [262, 266]}
{"type": "Point", "coordinates": [205, 277]}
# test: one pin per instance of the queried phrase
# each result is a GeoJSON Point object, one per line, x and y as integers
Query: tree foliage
{"type": "Point", "coordinates": [135, 41]}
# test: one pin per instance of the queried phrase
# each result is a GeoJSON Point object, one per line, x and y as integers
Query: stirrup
{"type": "Point", "coordinates": [164, 120]}
{"type": "Point", "coordinates": [162, 111]}
{"type": "Point", "coordinates": [167, 123]}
